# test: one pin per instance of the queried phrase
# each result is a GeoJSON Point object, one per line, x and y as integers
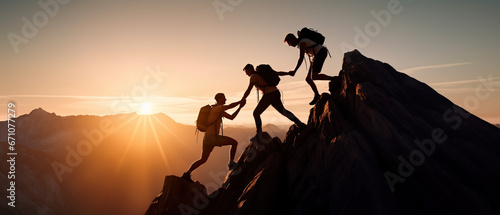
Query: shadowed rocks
{"type": "Point", "coordinates": [381, 142]}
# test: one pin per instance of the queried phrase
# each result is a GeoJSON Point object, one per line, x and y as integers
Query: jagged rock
{"type": "Point", "coordinates": [179, 196]}
{"type": "Point", "coordinates": [259, 167]}
{"type": "Point", "coordinates": [380, 143]}
{"type": "Point", "coordinates": [253, 187]}
{"type": "Point", "coordinates": [262, 193]}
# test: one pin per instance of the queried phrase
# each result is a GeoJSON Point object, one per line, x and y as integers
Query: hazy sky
{"type": "Point", "coordinates": [108, 57]}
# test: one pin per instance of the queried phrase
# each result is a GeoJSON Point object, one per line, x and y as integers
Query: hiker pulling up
{"type": "Point", "coordinates": [212, 126]}
{"type": "Point", "coordinates": [310, 42]}
{"type": "Point", "coordinates": [266, 80]}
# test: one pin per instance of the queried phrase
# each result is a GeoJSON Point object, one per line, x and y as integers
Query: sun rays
{"type": "Point", "coordinates": [144, 132]}
{"type": "Point", "coordinates": [129, 144]}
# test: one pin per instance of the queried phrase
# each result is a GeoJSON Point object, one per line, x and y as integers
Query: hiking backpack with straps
{"type": "Point", "coordinates": [312, 35]}
{"type": "Point", "coordinates": [268, 74]}
{"type": "Point", "coordinates": [202, 122]}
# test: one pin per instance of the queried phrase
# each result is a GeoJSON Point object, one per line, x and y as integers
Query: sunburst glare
{"type": "Point", "coordinates": [145, 108]}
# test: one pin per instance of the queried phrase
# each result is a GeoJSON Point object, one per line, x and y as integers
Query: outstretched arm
{"type": "Point", "coordinates": [247, 92]}
{"type": "Point", "coordinates": [301, 58]}
{"type": "Point", "coordinates": [232, 105]}
{"type": "Point", "coordinates": [232, 116]}
{"type": "Point", "coordinates": [280, 73]}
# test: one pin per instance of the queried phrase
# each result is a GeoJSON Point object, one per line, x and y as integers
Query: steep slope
{"type": "Point", "coordinates": [380, 143]}
{"type": "Point", "coordinates": [385, 143]}
{"type": "Point", "coordinates": [257, 171]}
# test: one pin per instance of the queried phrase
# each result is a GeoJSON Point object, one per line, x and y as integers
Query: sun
{"type": "Point", "coordinates": [145, 108]}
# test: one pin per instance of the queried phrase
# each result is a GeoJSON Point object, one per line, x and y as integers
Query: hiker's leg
{"type": "Point", "coordinates": [204, 157]}
{"type": "Point", "coordinates": [317, 65]}
{"type": "Point", "coordinates": [317, 76]}
{"type": "Point", "coordinates": [234, 147]}
{"type": "Point", "coordinates": [228, 141]}
{"type": "Point", "coordinates": [278, 105]}
{"type": "Point", "coordinates": [261, 107]}
{"type": "Point", "coordinates": [309, 80]}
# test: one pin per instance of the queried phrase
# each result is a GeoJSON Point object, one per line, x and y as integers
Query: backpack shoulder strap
{"type": "Point", "coordinates": [220, 116]}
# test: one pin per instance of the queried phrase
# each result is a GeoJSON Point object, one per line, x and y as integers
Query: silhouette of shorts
{"type": "Point", "coordinates": [212, 140]}
{"type": "Point", "coordinates": [319, 60]}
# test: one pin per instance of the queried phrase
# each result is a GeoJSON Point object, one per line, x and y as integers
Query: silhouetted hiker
{"type": "Point", "coordinates": [272, 95]}
{"type": "Point", "coordinates": [212, 137]}
{"type": "Point", "coordinates": [310, 42]}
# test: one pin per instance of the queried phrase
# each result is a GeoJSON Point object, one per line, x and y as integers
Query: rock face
{"type": "Point", "coordinates": [178, 197]}
{"type": "Point", "coordinates": [380, 143]}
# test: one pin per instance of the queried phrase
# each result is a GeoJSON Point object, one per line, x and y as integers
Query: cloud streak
{"type": "Point", "coordinates": [415, 69]}
{"type": "Point", "coordinates": [453, 83]}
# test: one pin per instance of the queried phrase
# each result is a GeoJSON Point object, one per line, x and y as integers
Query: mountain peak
{"type": "Point", "coordinates": [40, 112]}
{"type": "Point", "coordinates": [353, 56]}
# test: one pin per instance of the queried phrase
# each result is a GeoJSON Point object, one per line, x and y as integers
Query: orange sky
{"type": "Point", "coordinates": [99, 57]}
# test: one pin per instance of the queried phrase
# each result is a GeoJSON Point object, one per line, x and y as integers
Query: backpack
{"type": "Point", "coordinates": [268, 74]}
{"type": "Point", "coordinates": [311, 34]}
{"type": "Point", "coordinates": [202, 121]}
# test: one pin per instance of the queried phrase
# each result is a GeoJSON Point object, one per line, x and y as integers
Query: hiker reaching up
{"type": "Point", "coordinates": [212, 127]}
{"type": "Point", "coordinates": [310, 42]}
{"type": "Point", "coordinates": [266, 80]}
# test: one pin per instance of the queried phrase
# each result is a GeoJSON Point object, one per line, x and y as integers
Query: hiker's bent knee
{"type": "Point", "coordinates": [256, 114]}
{"type": "Point", "coordinates": [314, 76]}
{"type": "Point", "coordinates": [309, 79]}
{"type": "Point", "coordinates": [203, 160]}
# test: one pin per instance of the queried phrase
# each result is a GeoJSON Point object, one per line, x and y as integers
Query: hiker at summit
{"type": "Point", "coordinates": [310, 42]}
{"type": "Point", "coordinates": [266, 80]}
{"type": "Point", "coordinates": [212, 126]}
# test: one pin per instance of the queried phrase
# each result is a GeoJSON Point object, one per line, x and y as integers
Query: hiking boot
{"type": "Point", "coordinates": [232, 165]}
{"type": "Point", "coordinates": [316, 99]}
{"type": "Point", "coordinates": [187, 176]}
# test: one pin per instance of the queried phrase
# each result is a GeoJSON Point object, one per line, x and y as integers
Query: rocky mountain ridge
{"type": "Point", "coordinates": [380, 142]}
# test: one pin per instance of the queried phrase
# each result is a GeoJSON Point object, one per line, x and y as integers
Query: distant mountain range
{"type": "Point", "coordinates": [96, 165]}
